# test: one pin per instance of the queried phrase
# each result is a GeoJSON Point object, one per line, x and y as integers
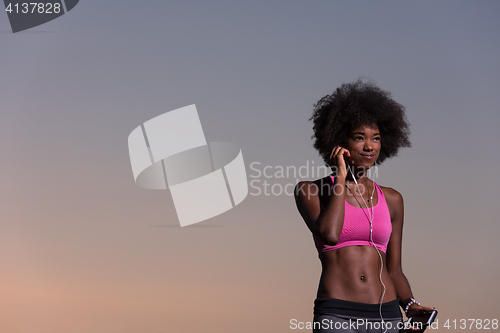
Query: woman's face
{"type": "Point", "coordinates": [364, 146]}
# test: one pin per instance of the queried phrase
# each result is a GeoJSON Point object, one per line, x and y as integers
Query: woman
{"type": "Point", "coordinates": [357, 225]}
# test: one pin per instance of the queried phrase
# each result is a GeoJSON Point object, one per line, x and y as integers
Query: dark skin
{"type": "Point", "coordinates": [352, 273]}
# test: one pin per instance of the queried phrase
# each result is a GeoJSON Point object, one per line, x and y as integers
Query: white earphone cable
{"type": "Point", "coordinates": [370, 219]}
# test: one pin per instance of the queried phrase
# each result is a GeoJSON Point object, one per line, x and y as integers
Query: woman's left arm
{"type": "Point", "coordinates": [393, 255]}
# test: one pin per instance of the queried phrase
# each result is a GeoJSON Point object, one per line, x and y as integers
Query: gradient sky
{"type": "Point", "coordinates": [83, 249]}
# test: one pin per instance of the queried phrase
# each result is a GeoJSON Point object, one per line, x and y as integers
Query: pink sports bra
{"type": "Point", "coordinates": [356, 228]}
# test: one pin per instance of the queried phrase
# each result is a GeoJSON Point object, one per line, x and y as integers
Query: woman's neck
{"type": "Point", "coordinates": [359, 173]}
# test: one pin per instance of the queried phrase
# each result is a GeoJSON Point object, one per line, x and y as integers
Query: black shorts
{"type": "Point", "coordinates": [335, 315]}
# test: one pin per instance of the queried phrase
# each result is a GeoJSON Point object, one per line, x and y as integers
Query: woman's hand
{"type": "Point", "coordinates": [337, 160]}
{"type": "Point", "coordinates": [417, 310]}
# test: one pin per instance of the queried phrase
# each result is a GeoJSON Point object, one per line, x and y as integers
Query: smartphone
{"type": "Point", "coordinates": [421, 321]}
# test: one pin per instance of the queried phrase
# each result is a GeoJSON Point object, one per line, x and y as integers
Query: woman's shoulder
{"type": "Point", "coordinates": [317, 182]}
{"type": "Point", "coordinates": [391, 195]}
{"type": "Point", "coordinates": [395, 204]}
{"type": "Point", "coordinates": [312, 187]}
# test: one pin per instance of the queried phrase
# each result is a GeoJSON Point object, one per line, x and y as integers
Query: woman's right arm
{"type": "Point", "coordinates": [327, 224]}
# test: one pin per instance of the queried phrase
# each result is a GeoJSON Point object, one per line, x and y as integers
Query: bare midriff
{"type": "Point", "coordinates": [352, 273]}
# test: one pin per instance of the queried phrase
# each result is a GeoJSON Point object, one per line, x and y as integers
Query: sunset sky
{"type": "Point", "coordinates": [84, 249]}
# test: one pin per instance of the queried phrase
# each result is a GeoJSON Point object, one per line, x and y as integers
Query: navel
{"type": "Point", "coordinates": [362, 277]}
